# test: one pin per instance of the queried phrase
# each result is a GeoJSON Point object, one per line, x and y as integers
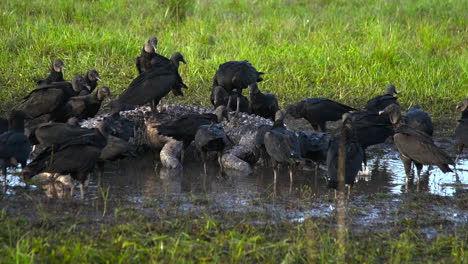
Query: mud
{"type": "Point", "coordinates": [383, 198]}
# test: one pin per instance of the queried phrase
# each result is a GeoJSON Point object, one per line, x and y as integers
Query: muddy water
{"type": "Point", "coordinates": [378, 201]}
{"type": "Point", "coordinates": [144, 176]}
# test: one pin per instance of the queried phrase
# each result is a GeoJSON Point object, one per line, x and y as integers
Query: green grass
{"type": "Point", "coordinates": [344, 50]}
{"type": "Point", "coordinates": [131, 238]}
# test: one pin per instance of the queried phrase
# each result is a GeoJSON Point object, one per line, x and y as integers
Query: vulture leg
{"type": "Point", "coordinates": [275, 175]}
{"type": "Point", "coordinates": [203, 156]}
{"type": "Point", "coordinates": [407, 163]}
{"type": "Point", "coordinates": [228, 107]}
{"type": "Point", "coordinates": [220, 161]}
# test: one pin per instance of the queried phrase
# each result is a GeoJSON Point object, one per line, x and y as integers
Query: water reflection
{"type": "Point", "coordinates": [144, 176]}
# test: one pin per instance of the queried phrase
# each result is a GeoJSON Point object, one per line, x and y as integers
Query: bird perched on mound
{"type": "Point", "coordinates": [236, 75]}
{"type": "Point", "coordinates": [91, 78]}
{"type": "Point", "coordinates": [283, 147]}
{"type": "Point", "coordinates": [219, 96]}
{"type": "Point", "coordinates": [378, 103]}
{"type": "Point", "coordinates": [82, 107]}
{"type": "Point", "coordinates": [149, 59]}
{"type": "Point", "coordinates": [144, 61]}
{"type": "Point", "coordinates": [211, 138]}
{"type": "Point", "coordinates": [117, 125]}
{"type": "Point", "coordinates": [318, 111]}
{"type": "Point", "coordinates": [153, 85]}
{"type": "Point", "coordinates": [461, 131]}
{"type": "Point", "coordinates": [414, 145]}
{"type": "Point", "coordinates": [419, 119]}
{"type": "Point", "coordinates": [55, 75]}
{"type": "Point", "coordinates": [185, 128]}
{"type": "Point", "coordinates": [264, 105]}
{"type": "Point", "coordinates": [43, 102]}
{"type": "Point", "coordinates": [353, 152]}
{"type": "Point", "coordinates": [14, 145]}
{"type": "Point", "coordinates": [76, 157]}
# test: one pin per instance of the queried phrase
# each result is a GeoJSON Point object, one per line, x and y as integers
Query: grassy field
{"type": "Point", "coordinates": [70, 232]}
{"type": "Point", "coordinates": [344, 50]}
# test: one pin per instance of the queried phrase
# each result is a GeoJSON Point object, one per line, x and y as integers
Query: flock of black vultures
{"type": "Point", "coordinates": [50, 114]}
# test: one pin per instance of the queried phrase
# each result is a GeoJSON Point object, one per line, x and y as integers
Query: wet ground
{"type": "Point", "coordinates": [383, 198]}
{"type": "Point", "coordinates": [434, 203]}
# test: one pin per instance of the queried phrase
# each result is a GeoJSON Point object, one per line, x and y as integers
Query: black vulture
{"type": "Point", "coordinates": [143, 62]}
{"type": "Point", "coordinates": [153, 85]}
{"type": "Point", "coordinates": [51, 133]}
{"type": "Point", "coordinates": [415, 146]}
{"type": "Point", "coordinates": [419, 119]}
{"type": "Point", "coordinates": [314, 146]}
{"type": "Point", "coordinates": [117, 125]}
{"type": "Point", "coordinates": [378, 103]}
{"type": "Point", "coordinates": [236, 75]}
{"type": "Point", "coordinates": [91, 78]}
{"type": "Point", "coordinates": [461, 131]}
{"type": "Point", "coordinates": [14, 145]}
{"type": "Point", "coordinates": [176, 58]}
{"type": "Point", "coordinates": [211, 138]}
{"type": "Point", "coordinates": [354, 154]}
{"type": "Point", "coordinates": [3, 125]}
{"type": "Point", "coordinates": [185, 127]}
{"type": "Point", "coordinates": [219, 96]}
{"type": "Point", "coordinates": [76, 157]}
{"type": "Point", "coordinates": [283, 147]}
{"type": "Point", "coordinates": [45, 100]}
{"type": "Point", "coordinates": [264, 105]}
{"type": "Point", "coordinates": [55, 75]}
{"type": "Point", "coordinates": [318, 111]}
{"type": "Point", "coordinates": [370, 129]}
{"type": "Point", "coordinates": [82, 107]}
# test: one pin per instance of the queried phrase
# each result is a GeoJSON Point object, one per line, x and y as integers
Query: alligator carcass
{"type": "Point", "coordinates": [245, 131]}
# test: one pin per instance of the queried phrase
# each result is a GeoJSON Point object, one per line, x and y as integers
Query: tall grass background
{"type": "Point", "coordinates": [344, 50]}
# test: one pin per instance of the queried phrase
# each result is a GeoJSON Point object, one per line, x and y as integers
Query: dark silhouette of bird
{"type": "Point", "coordinates": [55, 75]}
{"type": "Point", "coordinates": [176, 58]}
{"type": "Point", "coordinates": [283, 147]}
{"type": "Point", "coordinates": [82, 107]}
{"type": "Point", "coordinates": [354, 154]}
{"type": "Point", "coordinates": [461, 131]}
{"type": "Point", "coordinates": [14, 145]}
{"type": "Point", "coordinates": [144, 61]}
{"type": "Point", "coordinates": [150, 59]}
{"type": "Point", "coordinates": [51, 133]}
{"type": "Point", "coordinates": [378, 103]}
{"type": "Point", "coordinates": [318, 111]}
{"type": "Point", "coordinates": [236, 75]}
{"type": "Point", "coordinates": [91, 78]}
{"type": "Point", "coordinates": [153, 85]}
{"type": "Point", "coordinates": [76, 157]}
{"type": "Point", "coordinates": [42, 102]}
{"type": "Point", "coordinates": [185, 128]}
{"type": "Point", "coordinates": [370, 129]}
{"type": "Point", "coordinates": [3, 125]}
{"type": "Point", "coordinates": [419, 119]}
{"type": "Point", "coordinates": [415, 146]}
{"type": "Point", "coordinates": [219, 96]}
{"type": "Point", "coordinates": [211, 138]}
{"type": "Point", "coordinates": [264, 105]}
{"type": "Point", "coordinates": [117, 125]}
{"type": "Point", "coordinates": [314, 146]}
